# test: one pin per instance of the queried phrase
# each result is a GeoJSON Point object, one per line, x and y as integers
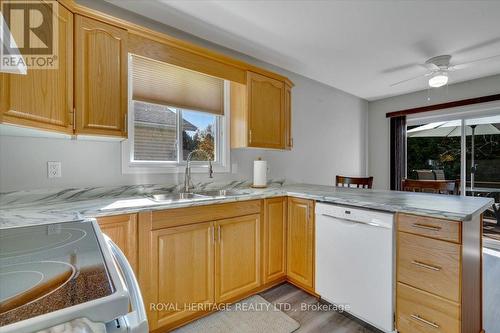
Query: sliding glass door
{"type": "Point", "coordinates": [464, 150]}
{"type": "Point", "coordinates": [434, 151]}
{"type": "Point", "coordinates": [483, 153]}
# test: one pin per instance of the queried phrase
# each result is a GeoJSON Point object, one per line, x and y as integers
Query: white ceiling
{"type": "Point", "coordinates": [360, 47]}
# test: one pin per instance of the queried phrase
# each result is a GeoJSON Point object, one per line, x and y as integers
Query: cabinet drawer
{"type": "Point", "coordinates": [429, 264]}
{"type": "Point", "coordinates": [426, 226]}
{"type": "Point", "coordinates": [421, 312]}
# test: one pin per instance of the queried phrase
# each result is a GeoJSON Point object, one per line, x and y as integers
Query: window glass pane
{"type": "Point", "coordinates": [434, 151]}
{"type": "Point", "coordinates": [483, 152]}
{"type": "Point", "coordinates": [155, 132]}
{"type": "Point", "coordinates": [198, 133]}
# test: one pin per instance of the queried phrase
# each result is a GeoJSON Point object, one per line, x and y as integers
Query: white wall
{"type": "Point", "coordinates": [378, 124]}
{"type": "Point", "coordinates": [329, 130]}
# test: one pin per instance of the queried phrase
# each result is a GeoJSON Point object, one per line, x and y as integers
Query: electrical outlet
{"type": "Point", "coordinates": [53, 169]}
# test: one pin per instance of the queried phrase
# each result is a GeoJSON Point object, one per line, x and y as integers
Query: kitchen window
{"type": "Point", "coordinates": [173, 112]}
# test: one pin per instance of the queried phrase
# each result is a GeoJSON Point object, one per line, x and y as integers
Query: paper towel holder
{"type": "Point", "coordinates": [258, 186]}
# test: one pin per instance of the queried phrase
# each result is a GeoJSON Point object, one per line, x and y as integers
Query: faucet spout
{"type": "Point", "coordinates": [187, 173]}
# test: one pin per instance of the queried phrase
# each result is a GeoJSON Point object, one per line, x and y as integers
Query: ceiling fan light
{"type": "Point", "coordinates": [439, 79]}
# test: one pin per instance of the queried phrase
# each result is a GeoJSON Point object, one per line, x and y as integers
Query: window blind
{"type": "Point", "coordinates": [162, 83]}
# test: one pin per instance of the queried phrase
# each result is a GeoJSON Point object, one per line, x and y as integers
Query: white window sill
{"type": "Point", "coordinates": [141, 168]}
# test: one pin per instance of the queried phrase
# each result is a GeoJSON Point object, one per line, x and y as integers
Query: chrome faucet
{"type": "Point", "coordinates": [187, 173]}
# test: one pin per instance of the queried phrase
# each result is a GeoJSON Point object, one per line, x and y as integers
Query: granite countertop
{"type": "Point", "coordinates": [41, 207]}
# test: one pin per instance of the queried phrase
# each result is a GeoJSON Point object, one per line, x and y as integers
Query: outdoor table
{"type": "Point", "coordinates": [488, 192]}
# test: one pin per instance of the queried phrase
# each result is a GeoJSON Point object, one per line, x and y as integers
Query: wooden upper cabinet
{"type": "Point", "coordinates": [237, 256]}
{"type": "Point", "coordinates": [100, 78]}
{"type": "Point", "coordinates": [274, 239]}
{"type": "Point", "coordinates": [266, 110]}
{"type": "Point", "coordinates": [259, 113]}
{"type": "Point", "coordinates": [122, 229]}
{"type": "Point", "coordinates": [288, 117]}
{"type": "Point", "coordinates": [300, 242]}
{"type": "Point", "coordinates": [44, 97]}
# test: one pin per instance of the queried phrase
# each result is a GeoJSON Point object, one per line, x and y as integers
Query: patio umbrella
{"type": "Point", "coordinates": [479, 126]}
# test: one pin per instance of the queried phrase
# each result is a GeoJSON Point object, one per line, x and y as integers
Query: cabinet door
{"type": "Point", "coordinates": [180, 271]}
{"type": "Point", "coordinates": [237, 258]}
{"type": "Point", "coordinates": [101, 77]}
{"type": "Point", "coordinates": [266, 108]}
{"type": "Point", "coordinates": [288, 117]}
{"type": "Point", "coordinates": [300, 243]}
{"type": "Point", "coordinates": [122, 229]}
{"type": "Point", "coordinates": [44, 97]}
{"type": "Point", "coordinates": [274, 240]}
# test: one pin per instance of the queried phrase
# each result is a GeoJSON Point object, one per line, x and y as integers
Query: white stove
{"type": "Point", "coordinates": [52, 274]}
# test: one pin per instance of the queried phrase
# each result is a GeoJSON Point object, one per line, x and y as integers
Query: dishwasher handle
{"type": "Point", "coordinates": [351, 221]}
{"type": "Point", "coordinates": [136, 320]}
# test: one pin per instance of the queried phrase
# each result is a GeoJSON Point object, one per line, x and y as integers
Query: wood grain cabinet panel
{"type": "Point", "coordinates": [439, 284]}
{"type": "Point", "coordinates": [274, 239]}
{"type": "Point", "coordinates": [44, 97]}
{"type": "Point", "coordinates": [237, 258]}
{"type": "Point", "coordinates": [288, 117]}
{"type": "Point", "coordinates": [122, 229]}
{"type": "Point", "coordinates": [261, 113]}
{"type": "Point", "coordinates": [430, 227]}
{"type": "Point", "coordinates": [300, 242]}
{"type": "Point", "coordinates": [180, 273]}
{"type": "Point", "coordinates": [430, 265]}
{"type": "Point", "coordinates": [100, 77]}
{"type": "Point", "coordinates": [266, 112]}
{"type": "Point", "coordinates": [421, 312]}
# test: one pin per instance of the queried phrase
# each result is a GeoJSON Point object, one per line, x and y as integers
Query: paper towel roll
{"type": "Point", "coordinates": [259, 173]}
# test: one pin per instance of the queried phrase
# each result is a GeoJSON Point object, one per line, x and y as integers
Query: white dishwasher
{"type": "Point", "coordinates": [355, 262]}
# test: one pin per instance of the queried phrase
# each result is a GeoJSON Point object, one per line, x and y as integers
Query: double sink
{"type": "Point", "coordinates": [195, 196]}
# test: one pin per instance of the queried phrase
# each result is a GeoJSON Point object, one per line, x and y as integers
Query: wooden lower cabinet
{"type": "Point", "coordinates": [422, 312]}
{"type": "Point", "coordinates": [122, 229]}
{"type": "Point", "coordinates": [186, 269]}
{"type": "Point", "coordinates": [274, 239]}
{"type": "Point", "coordinates": [237, 258]}
{"type": "Point", "coordinates": [300, 243]}
{"type": "Point", "coordinates": [181, 273]}
{"type": "Point", "coordinates": [439, 283]}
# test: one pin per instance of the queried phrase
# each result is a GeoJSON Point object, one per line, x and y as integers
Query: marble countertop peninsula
{"type": "Point", "coordinates": [50, 206]}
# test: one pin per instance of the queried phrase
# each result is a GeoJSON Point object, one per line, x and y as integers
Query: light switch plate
{"type": "Point", "coordinates": [54, 169]}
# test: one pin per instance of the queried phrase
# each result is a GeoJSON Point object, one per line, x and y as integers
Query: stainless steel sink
{"type": "Point", "coordinates": [189, 196]}
{"type": "Point", "coordinates": [222, 193]}
{"type": "Point", "coordinates": [162, 197]}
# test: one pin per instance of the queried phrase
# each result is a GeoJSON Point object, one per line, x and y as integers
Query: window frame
{"type": "Point", "coordinates": [222, 148]}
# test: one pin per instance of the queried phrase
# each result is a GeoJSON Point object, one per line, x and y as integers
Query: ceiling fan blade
{"type": "Point", "coordinates": [468, 63]}
{"type": "Point", "coordinates": [430, 66]}
{"type": "Point", "coordinates": [410, 79]}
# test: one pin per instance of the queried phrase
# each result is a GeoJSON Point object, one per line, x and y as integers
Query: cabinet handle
{"type": "Point", "coordinates": [250, 136]}
{"type": "Point", "coordinates": [218, 234]}
{"type": "Point", "coordinates": [422, 320]}
{"type": "Point", "coordinates": [421, 264]}
{"type": "Point", "coordinates": [212, 230]}
{"type": "Point", "coordinates": [427, 227]}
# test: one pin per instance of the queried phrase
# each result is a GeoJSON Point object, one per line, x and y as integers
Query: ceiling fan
{"type": "Point", "coordinates": [438, 69]}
